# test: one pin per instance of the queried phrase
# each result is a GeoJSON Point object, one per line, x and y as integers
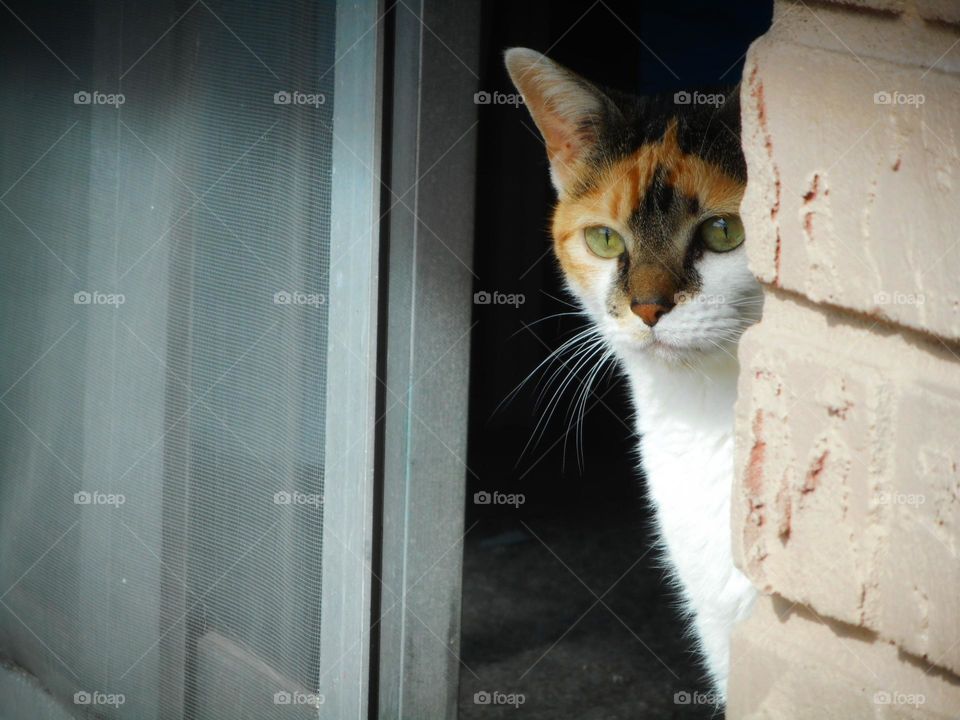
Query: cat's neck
{"type": "Point", "coordinates": [672, 397]}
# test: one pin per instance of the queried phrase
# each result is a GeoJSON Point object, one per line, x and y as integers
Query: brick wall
{"type": "Point", "coordinates": [846, 506]}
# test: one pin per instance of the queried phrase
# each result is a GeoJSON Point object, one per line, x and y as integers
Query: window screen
{"type": "Point", "coordinates": [166, 176]}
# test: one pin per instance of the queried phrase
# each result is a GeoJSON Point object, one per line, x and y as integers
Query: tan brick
{"type": "Point", "coordinates": [847, 493]}
{"type": "Point", "coordinates": [790, 664]}
{"type": "Point", "coordinates": [850, 202]}
{"type": "Point", "coordinates": [891, 31]}
{"type": "Point", "coordinates": [947, 11]}
{"type": "Point", "coordinates": [919, 589]}
{"type": "Point", "coordinates": [887, 6]}
{"type": "Point", "coordinates": [847, 489]}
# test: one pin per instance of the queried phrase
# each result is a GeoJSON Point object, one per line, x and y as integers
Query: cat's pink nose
{"type": "Point", "coordinates": [650, 312]}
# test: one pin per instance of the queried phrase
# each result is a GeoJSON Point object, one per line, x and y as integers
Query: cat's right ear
{"type": "Point", "coordinates": [568, 110]}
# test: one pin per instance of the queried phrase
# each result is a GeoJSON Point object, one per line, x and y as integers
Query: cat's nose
{"type": "Point", "coordinates": [650, 311]}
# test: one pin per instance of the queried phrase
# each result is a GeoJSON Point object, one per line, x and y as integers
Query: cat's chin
{"type": "Point", "coordinates": [659, 350]}
{"type": "Point", "coordinates": [669, 347]}
{"type": "Point", "coordinates": [671, 352]}
{"type": "Point", "coordinates": [667, 350]}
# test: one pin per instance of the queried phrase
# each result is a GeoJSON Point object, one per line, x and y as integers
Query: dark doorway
{"type": "Point", "coordinates": [564, 600]}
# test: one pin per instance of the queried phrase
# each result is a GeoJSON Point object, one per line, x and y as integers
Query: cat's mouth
{"type": "Point", "coordinates": [667, 348]}
{"type": "Point", "coordinates": [659, 345]}
{"type": "Point", "coordinates": [664, 344]}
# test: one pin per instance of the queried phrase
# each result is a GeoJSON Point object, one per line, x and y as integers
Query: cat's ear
{"type": "Point", "coordinates": [569, 111]}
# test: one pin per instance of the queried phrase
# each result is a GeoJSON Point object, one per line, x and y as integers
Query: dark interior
{"type": "Point", "coordinates": [564, 600]}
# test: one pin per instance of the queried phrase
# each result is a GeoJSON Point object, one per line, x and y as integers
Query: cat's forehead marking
{"type": "Point", "coordinates": [660, 195]}
{"type": "Point", "coordinates": [659, 182]}
{"type": "Point", "coordinates": [656, 194]}
{"type": "Point", "coordinates": [641, 194]}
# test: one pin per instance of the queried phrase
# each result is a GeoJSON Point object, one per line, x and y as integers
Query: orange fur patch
{"type": "Point", "coordinates": [622, 185]}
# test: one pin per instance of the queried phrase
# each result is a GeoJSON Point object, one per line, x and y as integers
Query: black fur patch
{"type": "Point", "coordinates": [706, 131]}
{"type": "Point", "coordinates": [629, 122]}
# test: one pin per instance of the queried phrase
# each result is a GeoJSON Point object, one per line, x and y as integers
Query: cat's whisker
{"type": "Point", "coordinates": [581, 344]}
{"type": "Point", "coordinates": [732, 334]}
{"type": "Point", "coordinates": [584, 342]}
{"type": "Point", "coordinates": [573, 405]}
{"type": "Point", "coordinates": [561, 300]}
{"type": "Point", "coordinates": [587, 392]}
{"type": "Point", "coordinates": [580, 396]}
{"type": "Point", "coordinates": [690, 364]}
{"type": "Point", "coordinates": [579, 313]}
{"type": "Point", "coordinates": [547, 361]}
{"type": "Point", "coordinates": [584, 357]}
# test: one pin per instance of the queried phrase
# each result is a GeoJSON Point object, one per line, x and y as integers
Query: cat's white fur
{"type": "Point", "coordinates": [684, 388]}
{"type": "Point", "coordinates": [682, 373]}
{"type": "Point", "coordinates": [685, 421]}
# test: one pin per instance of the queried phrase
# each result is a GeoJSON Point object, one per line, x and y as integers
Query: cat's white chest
{"type": "Point", "coordinates": [686, 424]}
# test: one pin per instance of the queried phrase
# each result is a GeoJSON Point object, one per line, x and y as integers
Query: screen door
{"type": "Point", "coordinates": [189, 217]}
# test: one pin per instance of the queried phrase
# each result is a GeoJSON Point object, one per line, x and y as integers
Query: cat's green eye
{"type": "Point", "coordinates": [721, 233]}
{"type": "Point", "coordinates": [604, 242]}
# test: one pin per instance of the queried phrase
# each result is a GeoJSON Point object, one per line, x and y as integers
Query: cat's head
{"type": "Point", "coordinates": [646, 226]}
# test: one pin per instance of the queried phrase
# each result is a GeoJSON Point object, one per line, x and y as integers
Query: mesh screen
{"type": "Point", "coordinates": [165, 269]}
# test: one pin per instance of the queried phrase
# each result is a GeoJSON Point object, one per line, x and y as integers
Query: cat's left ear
{"type": "Point", "coordinates": [569, 111]}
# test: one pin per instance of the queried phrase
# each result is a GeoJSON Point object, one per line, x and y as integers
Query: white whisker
{"type": "Point", "coordinates": [547, 361]}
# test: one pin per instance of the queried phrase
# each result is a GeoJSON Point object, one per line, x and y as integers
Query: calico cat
{"type": "Point", "coordinates": [647, 233]}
